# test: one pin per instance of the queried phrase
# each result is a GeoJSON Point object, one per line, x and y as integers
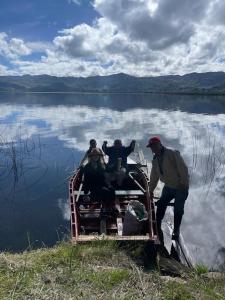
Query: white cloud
{"type": "Point", "coordinates": [5, 71]}
{"type": "Point", "coordinates": [143, 37]}
{"type": "Point", "coordinates": [77, 2]}
{"type": "Point", "coordinates": [13, 48]}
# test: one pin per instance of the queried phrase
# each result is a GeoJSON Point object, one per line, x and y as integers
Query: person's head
{"type": "Point", "coordinates": [93, 143]}
{"type": "Point", "coordinates": [155, 144]}
{"type": "Point", "coordinates": [95, 155]}
{"type": "Point", "coordinates": [117, 143]}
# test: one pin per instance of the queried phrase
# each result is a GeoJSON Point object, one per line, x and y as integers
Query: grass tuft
{"type": "Point", "coordinates": [201, 269]}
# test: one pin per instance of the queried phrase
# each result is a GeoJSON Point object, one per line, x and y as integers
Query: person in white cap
{"type": "Point", "coordinates": [169, 167]}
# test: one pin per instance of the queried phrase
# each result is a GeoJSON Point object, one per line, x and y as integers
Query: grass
{"type": "Point", "coordinates": [201, 269]}
{"type": "Point", "coordinates": [100, 270]}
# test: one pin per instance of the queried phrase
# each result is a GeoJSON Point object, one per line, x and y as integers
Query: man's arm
{"type": "Point", "coordinates": [182, 170]}
{"type": "Point", "coordinates": [105, 148]}
{"type": "Point", "coordinates": [154, 178]}
{"type": "Point", "coordinates": [130, 148]}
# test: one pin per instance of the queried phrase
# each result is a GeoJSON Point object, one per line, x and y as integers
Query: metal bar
{"type": "Point", "coordinates": [137, 183]}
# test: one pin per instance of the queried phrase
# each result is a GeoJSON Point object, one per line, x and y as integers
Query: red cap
{"type": "Point", "coordinates": [153, 140]}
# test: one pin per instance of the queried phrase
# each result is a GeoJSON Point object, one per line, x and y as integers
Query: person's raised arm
{"type": "Point", "coordinates": [105, 148]}
{"type": "Point", "coordinates": [130, 148]}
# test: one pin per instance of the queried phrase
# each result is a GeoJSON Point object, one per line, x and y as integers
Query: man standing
{"type": "Point", "coordinates": [170, 168]}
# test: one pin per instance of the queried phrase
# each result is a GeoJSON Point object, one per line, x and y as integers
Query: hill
{"type": "Point", "coordinates": [194, 83]}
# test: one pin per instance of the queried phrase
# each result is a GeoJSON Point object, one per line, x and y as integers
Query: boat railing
{"type": "Point", "coordinates": [135, 181]}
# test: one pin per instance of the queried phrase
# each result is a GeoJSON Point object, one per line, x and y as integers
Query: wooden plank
{"type": "Point", "coordinates": [119, 222]}
{"type": "Point", "coordinates": [89, 210]}
{"type": "Point", "coordinates": [77, 193]}
{"type": "Point", "coordinates": [117, 192]}
{"type": "Point", "coordinates": [90, 216]}
{"type": "Point", "coordinates": [96, 227]}
{"type": "Point", "coordinates": [88, 238]}
{"type": "Point", "coordinates": [103, 226]}
{"type": "Point", "coordinates": [128, 192]}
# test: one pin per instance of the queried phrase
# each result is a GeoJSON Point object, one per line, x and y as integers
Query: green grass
{"type": "Point", "coordinates": [201, 269]}
{"type": "Point", "coordinates": [99, 270]}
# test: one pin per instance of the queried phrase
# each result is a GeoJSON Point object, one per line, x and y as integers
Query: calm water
{"type": "Point", "coordinates": [44, 136]}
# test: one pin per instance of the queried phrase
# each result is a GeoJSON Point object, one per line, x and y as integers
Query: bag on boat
{"type": "Point", "coordinates": [135, 216]}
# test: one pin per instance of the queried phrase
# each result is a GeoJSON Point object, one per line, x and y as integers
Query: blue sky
{"type": "Point", "coordinates": [40, 20]}
{"type": "Point", "coordinates": [102, 37]}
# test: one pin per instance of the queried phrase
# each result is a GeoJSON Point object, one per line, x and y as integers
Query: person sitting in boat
{"type": "Point", "coordinates": [93, 144]}
{"type": "Point", "coordinates": [168, 166]}
{"type": "Point", "coordinates": [94, 179]}
{"type": "Point", "coordinates": [117, 164]}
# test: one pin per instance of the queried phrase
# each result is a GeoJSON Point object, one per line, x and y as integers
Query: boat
{"type": "Point", "coordinates": [86, 221]}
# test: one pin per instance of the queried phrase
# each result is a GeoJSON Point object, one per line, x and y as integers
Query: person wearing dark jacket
{"type": "Point", "coordinates": [169, 167]}
{"type": "Point", "coordinates": [94, 179]}
{"type": "Point", "coordinates": [117, 163]}
{"type": "Point", "coordinates": [117, 151]}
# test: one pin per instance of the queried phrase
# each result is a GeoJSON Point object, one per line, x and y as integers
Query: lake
{"type": "Point", "coordinates": [44, 136]}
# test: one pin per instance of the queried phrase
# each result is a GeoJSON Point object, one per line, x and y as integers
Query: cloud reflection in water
{"type": "Point", "coordinates": [199, 137]}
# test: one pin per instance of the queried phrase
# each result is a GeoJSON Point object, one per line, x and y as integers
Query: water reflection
{"type": "Point", "coordinates": [60, 127]}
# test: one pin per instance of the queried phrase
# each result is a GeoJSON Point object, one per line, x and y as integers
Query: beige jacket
{"type": "Point", "coordinates": [174, 170]}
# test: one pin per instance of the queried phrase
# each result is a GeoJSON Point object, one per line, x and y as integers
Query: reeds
{"type": "Point", "coordinates": [14, 154]}
{"type": "Point", "coordinates": [208, 160]}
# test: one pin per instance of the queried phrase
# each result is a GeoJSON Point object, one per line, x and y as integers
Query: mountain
{"type": "Point", "coordinates": [194, 83]}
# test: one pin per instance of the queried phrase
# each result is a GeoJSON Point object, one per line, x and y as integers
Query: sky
{"type": "Point", "coordinates": [103, 37]}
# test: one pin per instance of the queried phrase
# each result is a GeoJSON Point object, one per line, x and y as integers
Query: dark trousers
{"type": "Point", "coordinates": [179, 197]}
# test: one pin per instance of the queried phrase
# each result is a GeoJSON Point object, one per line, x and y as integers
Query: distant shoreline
{"type": "Point", "coordinates": [114, 93]}
{"type": "Point", "coordinates": [209, 84]}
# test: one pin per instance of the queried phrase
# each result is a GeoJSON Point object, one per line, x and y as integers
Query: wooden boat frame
{"type": "Point", "coordinates": [113, 230]}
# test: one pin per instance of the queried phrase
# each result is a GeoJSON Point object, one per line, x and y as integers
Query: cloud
{"type": "Point", "coordinates": [13, 48]}
{"type": "Point", "coordinates": [6, 71]}
{"type": "Point", "coordinates": [143, 38]}
{"type": "Point", "coordinates": [216, 12]}
{"type": "Point", "coordinates": [159, 23]}
{"type": "Point", "coordinates": [77, 2]}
